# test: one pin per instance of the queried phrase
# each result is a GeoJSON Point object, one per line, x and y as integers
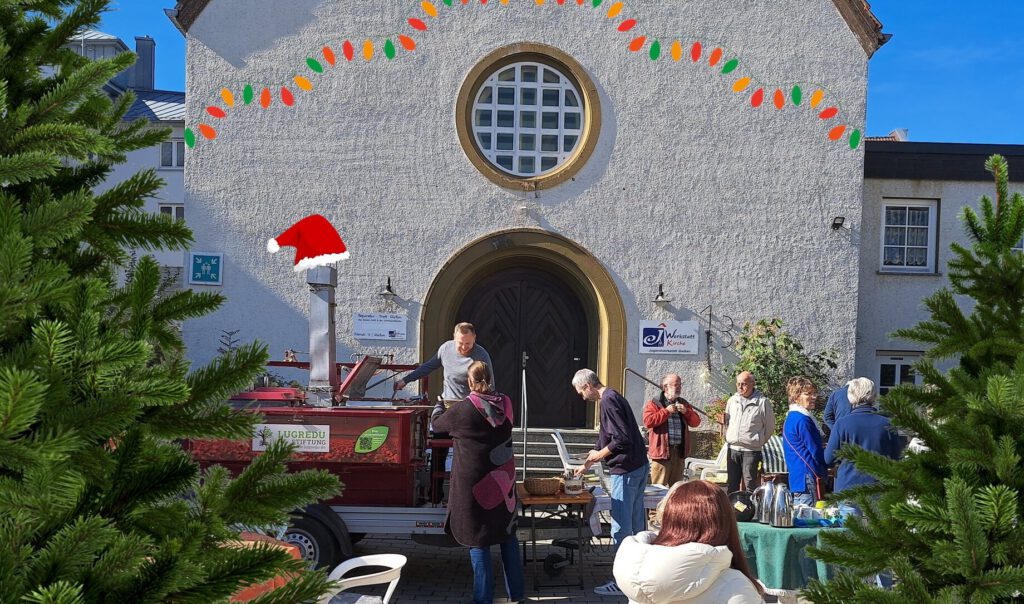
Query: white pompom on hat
{"type": "Point", "coordinates": [315, 240]}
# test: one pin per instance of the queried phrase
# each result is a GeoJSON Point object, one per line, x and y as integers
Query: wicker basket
{"type": "Point", "coordinates": [542, 486]}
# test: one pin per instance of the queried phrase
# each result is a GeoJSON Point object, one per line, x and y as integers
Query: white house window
{"type": "Point", "coordinates": [527, 118]}
{"type": "Point", "coordinates": [908, 235]}
{"type": "Point", "coordinates": [172, 154]}
{"type": "Point", "coordinates": [175, 211]}
{"type": "Point", "coordinates": [897, 369]}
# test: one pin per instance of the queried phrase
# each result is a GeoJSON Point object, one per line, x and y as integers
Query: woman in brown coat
{"type": "Point", "coordinates": [482, 499]}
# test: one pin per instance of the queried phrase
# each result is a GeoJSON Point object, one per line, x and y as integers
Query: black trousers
{"type": "Point", "coordinates": [743, 464]}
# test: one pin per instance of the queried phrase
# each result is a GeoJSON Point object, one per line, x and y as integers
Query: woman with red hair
{"type": "Point", "coordinates": [696, 558]}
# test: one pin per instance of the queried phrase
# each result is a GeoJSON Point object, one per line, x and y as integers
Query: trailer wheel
{"type": "Point", "coordinates": [315, 542]}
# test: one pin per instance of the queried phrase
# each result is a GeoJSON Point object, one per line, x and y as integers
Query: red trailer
{"type": "Point", "coordinates": [377, 447]}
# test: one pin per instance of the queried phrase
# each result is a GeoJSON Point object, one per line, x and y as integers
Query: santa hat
{"type": "Point", "coordinates": [315, 240]}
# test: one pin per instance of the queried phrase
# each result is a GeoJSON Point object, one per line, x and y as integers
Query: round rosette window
{"type": "Point", "coordinates": [528, 116]}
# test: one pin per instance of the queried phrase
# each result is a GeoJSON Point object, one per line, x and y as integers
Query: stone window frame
{"type": "Point", "coordinates": [543, 54]}
{"type": "Point", "coordinates": [932, 205]}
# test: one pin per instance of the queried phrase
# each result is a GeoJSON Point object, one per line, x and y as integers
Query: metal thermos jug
{"type": "Point", "coordinates": [764, 501]}
{"type": "Point", "coordinates": [782, 507]}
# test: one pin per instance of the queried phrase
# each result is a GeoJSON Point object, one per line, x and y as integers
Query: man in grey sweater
{"type": "Point", "coordinates": [455, 355]}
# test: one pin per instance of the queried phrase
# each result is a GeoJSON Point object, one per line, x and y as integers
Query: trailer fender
{"type": "Point", "coordinates": [329, 518]}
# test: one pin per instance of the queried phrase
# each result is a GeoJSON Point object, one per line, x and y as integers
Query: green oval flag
{"type": "Point", "coordinates": [371, 439]}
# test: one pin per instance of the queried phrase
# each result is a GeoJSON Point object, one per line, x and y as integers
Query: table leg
{"type": "Point", "coordinates": [579, 540]}
{"type": "Point", "coordinates": [533, 541]}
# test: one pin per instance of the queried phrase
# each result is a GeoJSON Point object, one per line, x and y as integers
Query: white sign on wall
{"type": "Point", "coordinates": [668, 337]}
{"type": "Point", "coordinates": [310, 438]}
{"type": "Point", "coordinates": [378, 326]}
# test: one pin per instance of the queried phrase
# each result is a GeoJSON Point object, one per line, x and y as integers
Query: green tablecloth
{"type": "Point", "coordinates": [778, 557]}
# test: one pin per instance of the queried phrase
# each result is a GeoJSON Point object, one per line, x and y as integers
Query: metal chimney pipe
{"type": "Point", "coordinates": [323, 373]}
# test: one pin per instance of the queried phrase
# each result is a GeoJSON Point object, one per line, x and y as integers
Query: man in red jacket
{"type": "Point", "coordinates": [667, 418]}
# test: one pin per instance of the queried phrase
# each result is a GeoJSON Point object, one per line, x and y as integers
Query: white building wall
{"type": "Point", "coordinates": [173, 191]}
{"type": "Point", "coordinates": [891, 301]}
{"type": "Point", "coordinates": [689, 186]}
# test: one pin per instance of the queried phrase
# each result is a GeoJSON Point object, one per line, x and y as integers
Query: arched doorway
{"type": "Point", "coordinates": [527, 310]}
{"type": "Point", "coordinates": [564, 260]}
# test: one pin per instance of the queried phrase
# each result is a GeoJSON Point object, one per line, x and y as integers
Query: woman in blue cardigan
{"type": "Point", "coordinates": [801, 441]}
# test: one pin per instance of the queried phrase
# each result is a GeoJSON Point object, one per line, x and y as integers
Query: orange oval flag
{"type": "Point", "coordinates": [836, 133]}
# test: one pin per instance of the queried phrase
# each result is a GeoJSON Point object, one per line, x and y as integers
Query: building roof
{"type": "Point", "coordinates": [857, 13]}
{"type": "Point", "coordinates": [158, 106]}
{"type": "Point", "coordinates": [93, 34]}
{"type": "Point", "coordinates": [938, 161]}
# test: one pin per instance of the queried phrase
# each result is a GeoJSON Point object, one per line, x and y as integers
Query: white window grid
{"type": "Point", "coordinates": [908, 236]}
{"type": "Point", "coordinates": [894, 370]}
{"type": "Point", "coordinates": [172, 154]}
{"type": "Point", "coordinates": [174, 210]}
{"type": "Point", "coordinates": [524, 150]}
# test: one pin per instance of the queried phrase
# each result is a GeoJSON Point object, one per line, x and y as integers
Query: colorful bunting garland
{"type": "Point", "coordinates": [635, 45]}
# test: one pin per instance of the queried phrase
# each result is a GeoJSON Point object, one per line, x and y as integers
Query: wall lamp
{"type": "Point", "coordinates": [661, 299]}
{"type": "Point", "coordinates": [839, 222]}
{"type": "Point", "coordinates": [387, 293]}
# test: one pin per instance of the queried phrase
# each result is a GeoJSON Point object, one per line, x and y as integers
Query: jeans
{"type": "Point", "coordinates": [628, 513]}
{"type": "Point", "coordinates": [745, 462]}
{"type": "Point", "coordinates": [806, 496]}
{"type": "Point", "coordinates": [483, 571]}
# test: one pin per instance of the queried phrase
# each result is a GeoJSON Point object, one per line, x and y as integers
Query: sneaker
{"type": "Point", "coordinates": [608, 589]}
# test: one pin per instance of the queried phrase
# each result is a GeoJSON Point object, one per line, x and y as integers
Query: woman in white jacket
{"type": "Point", "coordinates": [696, 558]}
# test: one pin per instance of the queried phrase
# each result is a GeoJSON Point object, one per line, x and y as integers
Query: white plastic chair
{"type": "Point", "coordinates": [708, 467]}
{"type": "Point", "coordinates": [573, 462]}
{"type": "Point", "coordinates": [393, 562]}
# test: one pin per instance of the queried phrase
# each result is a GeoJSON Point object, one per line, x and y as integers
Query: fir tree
{"type": "Point", "coordinates": [98, 503]}
{"type": "Point", "coordinates": [948, 521]}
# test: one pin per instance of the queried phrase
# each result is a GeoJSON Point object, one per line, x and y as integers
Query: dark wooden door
{"type": "Point", "coordinates": [528, 310]}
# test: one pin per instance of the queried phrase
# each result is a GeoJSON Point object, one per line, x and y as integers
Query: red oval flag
{"type": "Point", "coordinates": [417, 24]}
{"type": "Point", "coordinates": [215, 111]}
{"type": "Point", "coordinates": [695, 52]}
{"type": "Point", "coordinates": [757, 98]}
{"type": "Point", "coordinates": [828, 113]}
{"type": "Point", "coordinates": [286, 96]}
{"type": "Point", "coordinates": [347, 49]}
{"type": "Point", "coordinates": [627, 25]}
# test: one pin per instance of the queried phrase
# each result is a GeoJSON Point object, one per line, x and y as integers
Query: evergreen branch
{"type": "Point", "coordinates": [232, 565]}
{"type": "Point", "coordinates": [305, 586]}
{"type": "Point", "coordinates": [21, 397]}
{"type": "Point", "coordinates": [26, 167]}
{"type": "Point", "coordinates": [61, 592]}
{"type": "Point", "coordinates": [226, 375]}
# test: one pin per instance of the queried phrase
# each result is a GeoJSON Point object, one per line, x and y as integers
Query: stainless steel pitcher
{"type": "Point", "coordinates": [764, 496]}
{"type": "Point", "coordinates": [782, 507]}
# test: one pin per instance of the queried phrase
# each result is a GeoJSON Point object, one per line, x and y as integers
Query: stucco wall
{"type": "Point", "coordinates": [891, 301]}
{"type": "Point", "coordinates": [689, 186]}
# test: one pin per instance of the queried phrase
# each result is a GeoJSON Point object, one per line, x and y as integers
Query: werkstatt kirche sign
{"type": "Point", "coordinates": [668, 337]}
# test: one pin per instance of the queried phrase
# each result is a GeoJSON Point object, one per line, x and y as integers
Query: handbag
{"type": "Point", "coordinates": [820, 486]}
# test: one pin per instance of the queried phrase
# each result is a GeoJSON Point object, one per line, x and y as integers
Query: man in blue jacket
{"type": "Point", "coordinates": [837, 406]}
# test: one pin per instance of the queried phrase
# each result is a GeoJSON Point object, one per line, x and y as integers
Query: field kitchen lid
{"type": "Point", "coordinates": [355, 382]}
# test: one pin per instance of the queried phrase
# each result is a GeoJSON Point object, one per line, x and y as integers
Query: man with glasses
{"type": "Point", "coordinates": [668, 419]}
{"type": "Point", "coordinates": [621, 446]}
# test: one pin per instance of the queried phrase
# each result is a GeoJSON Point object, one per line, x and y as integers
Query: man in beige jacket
{"type": "Point", "coordinates": [749, 421]}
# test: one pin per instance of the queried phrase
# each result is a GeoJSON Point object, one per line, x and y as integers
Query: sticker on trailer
{"type": "Point", "coordinates": [308, 438]}
{"type": "Point", "coordinates": [371, 439]}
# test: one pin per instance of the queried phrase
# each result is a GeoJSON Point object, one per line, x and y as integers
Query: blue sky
{"type": "Point", "coordinates": [953, 71]}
